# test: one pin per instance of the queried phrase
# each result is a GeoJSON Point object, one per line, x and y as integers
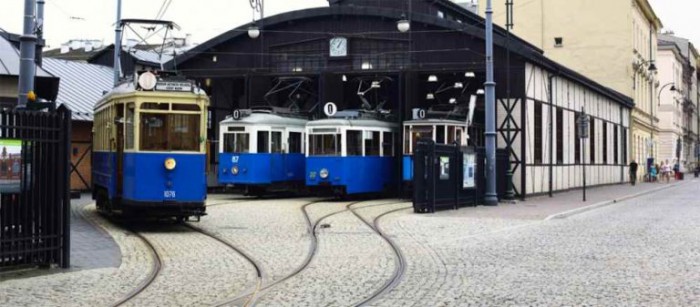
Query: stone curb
{"type": "Point", "coordinates": [572, 212]}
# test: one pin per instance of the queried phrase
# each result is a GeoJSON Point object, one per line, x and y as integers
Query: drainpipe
{"type": "Point", "coordinates": [40, 29]}
{"type": "Point", "coordinates": [118, 43]}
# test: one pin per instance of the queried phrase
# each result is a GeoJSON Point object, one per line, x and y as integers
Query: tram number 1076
{"type": "Point", "coordinates": [169, 194]}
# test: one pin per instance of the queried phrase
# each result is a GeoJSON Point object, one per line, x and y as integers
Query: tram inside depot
{"type": "Point", "coordinates": [443, 95]}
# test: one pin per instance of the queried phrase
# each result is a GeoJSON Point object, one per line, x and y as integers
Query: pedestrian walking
{"type": "Point", "coordinates": [666, 171]}
{"type": "Point", "coordinates": [633, 172]}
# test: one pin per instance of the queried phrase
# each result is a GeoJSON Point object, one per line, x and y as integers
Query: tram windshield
{"type": "Point", "coordinates": [170, 132]}
{"type": "Point", "coordinates": [324, 144]}
{"type": "Point", "coordinates": [236, 142]}
{"type": "Point", "coordinates": [413, 134]}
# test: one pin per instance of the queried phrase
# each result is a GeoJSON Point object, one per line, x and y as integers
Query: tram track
{"type": "Point", "coordinates": [313, 248]}
{"type": "Point", "coordinates": [152, 275]}
{"type": "Point", "coordinates": [248, 258]}
{"type": "Point", "coordinates": [398, 255]}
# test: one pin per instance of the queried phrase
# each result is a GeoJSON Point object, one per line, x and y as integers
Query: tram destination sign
{"type": "Point", "coordinates": [174, 86]}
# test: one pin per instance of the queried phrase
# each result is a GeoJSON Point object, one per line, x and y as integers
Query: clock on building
{"type": "Point", "coordinates": [339, 47]}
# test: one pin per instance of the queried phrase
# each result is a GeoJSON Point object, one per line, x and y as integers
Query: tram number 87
{"type": "Point", "coordinates": [169, 194]}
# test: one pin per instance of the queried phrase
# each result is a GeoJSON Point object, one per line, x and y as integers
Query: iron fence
{"type": "Point", "coordinates": [35, 196]}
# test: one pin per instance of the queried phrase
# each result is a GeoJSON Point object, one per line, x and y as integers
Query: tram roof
{"type": "Point", "coordinates": [341, 122]}
{"type": "Point", "coordinates": [128, 88]}
{"type": "Point", "coordinates": [263, 119]}
{"type": "Point", "coordinates": [434, 121]}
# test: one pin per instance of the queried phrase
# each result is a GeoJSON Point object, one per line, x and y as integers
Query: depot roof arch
{"type": "Point", "coordinates": [473, 27]}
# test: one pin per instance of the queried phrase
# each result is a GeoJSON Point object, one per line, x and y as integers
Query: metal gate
{"type": "Point", "coordinates": [34, 193]}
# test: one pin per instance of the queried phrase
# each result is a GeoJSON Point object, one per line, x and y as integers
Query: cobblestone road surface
{"type": "Point", "coordinates": [640, 252]}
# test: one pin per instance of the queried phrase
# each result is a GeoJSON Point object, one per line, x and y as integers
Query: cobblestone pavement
{"type": "Point", "coordinates": [89, 287]}
{"type": "Point", "coordinates": [643, 251]}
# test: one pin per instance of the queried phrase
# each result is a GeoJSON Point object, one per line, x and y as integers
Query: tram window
{"type": "Point", "coordinates": [324, 144]}
{"type": "Point", "coordinates": [129, 126]}
{"type": "Point", "coordinates": [295, 142]}
{"type": "Point", "coordinates": [407, 140]}
{"type": "Point", "coordinates": [388, 144]}
{"type": "Point", "coordinates": [169, 132]}
{"type": "Point", "coordinates": [440, 134]}
{"type": "Point", "coordinates": [185, 107]}
{"type": "Point", "coordinates": [277, 142]}
{"type": "Point", "coordinates": [354, 142]}
{"type": "Point", "coordinates": [263, 141]}
{"type": "Point", "coordinates": [419, 132]}
{"type": "Point", "coordinates": [458, 135]}
{"type": "Point", "coordinates": [153, 132]}
{"type": "Point", "coordinates": [454, 134]}
{"type": "Point", "coordinates": [183, 132]}
{"type": "Point", "coordinates": [236, 143]}
{"type": "Point", "coordinates": [371, 143]}
{"type": "Point", "coordinates": [155, 106]}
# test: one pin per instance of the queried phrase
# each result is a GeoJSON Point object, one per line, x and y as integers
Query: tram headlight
{"type": "Point", "coordinates": [323, 173]}
{"type": "Point", "coordinates": [170, 164]}
{"type": "Point", "coordinates": [234, 170]}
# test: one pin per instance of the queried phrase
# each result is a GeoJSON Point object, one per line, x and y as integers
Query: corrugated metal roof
{"type": "Point", "coordinates": [82, 85]}
{"type": "Point", "coordinates": [9, 60]}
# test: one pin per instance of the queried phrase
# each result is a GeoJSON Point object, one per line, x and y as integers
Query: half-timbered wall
{"type": "Point", "coordinates": [554, 102]}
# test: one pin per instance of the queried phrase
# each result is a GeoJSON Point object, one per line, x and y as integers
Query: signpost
{"type": "Point", "coordinates": [583, 123]}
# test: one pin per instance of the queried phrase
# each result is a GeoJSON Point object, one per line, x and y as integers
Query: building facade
{"type": "Point", "coordinates": [678, 101]}
{"type": "Point", "coordinates": [615, 46]}
{"type": "Point", "coordinates": [444, 46]}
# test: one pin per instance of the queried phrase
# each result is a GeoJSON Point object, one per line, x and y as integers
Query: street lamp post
{"type": "Point", "coordinates": [491, 198]}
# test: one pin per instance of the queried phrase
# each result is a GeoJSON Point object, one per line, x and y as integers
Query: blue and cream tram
{"type": "Point", "coordinates": [442, 131]}
{"type": "Point", "coordinates": [351, 153]}
{"type": "Point", "coordinates": [149, 148]}
{"type": "Point", "coordinates": [261, 150]}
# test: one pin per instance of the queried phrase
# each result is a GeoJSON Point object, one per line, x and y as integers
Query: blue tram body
{"type": "Point", "coordinates": [149, 152]}
{"type": "Point", "coordinates": [351, 154]}
{"type": "Point", "coordinates": [261, 151]}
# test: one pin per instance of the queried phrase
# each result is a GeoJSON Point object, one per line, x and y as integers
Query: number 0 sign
{"type": "Point", "coordinates": [330, 109]}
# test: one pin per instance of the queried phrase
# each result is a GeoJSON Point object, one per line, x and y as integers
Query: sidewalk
{"type": "Point", "coordinates": [541, 207]}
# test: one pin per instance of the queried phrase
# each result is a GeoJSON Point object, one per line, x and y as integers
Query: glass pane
{"type": "Point", "coordinates": [236, 143]}
{"type": "Point", "coordinates": [419, 133]}
{"type": "Point", "coordinates": [388, 144]}
{"type": "Point", "coordinates": [276, 142]}
{"type": "Point", "coordinates": [183, 132]}
{"type": "Point", "coordinates": [407, 140]}
{"type": "Point", "coordinates": [263, 141]}
{"type": "Point", "coordinates": [371, 143]}
{"type": "Point", "coordinates": [458, 135]}
{"type": "Point", "coordinates": [185, 107]}
{"type": "Point", "coordinates": [440, 134]}
{"type": "Point", "coordinates": [129, 126]}
{"type": "Point", "coordinates": [354, 143]}
{"type": "Point", "coordinates": [295, 142]}
{"type": "Point", "coordinates": [451, 136]}
{"type": "Point", "coordinates": [153, 132]}
{"type": "Point", "coordinates": [324, 144]}
{"type": "Point", "coordinates": [155, 106]}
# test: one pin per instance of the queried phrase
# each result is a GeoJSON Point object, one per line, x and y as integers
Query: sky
{"type": "Point", "coordinates": [94, 19]}
{"type": "Point", "coordinates": [204, 19]}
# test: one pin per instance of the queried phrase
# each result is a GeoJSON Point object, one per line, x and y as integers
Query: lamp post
{"type": "Point", "coordinates": [491, 198]}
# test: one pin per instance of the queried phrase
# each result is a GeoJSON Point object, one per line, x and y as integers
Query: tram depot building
{"type": "Point", "coordinates": [329, 52]}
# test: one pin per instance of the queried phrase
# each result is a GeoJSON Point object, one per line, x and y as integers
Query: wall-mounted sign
{"type": "Point", "coordinates": [10, 165]}
{"type": "Point", "coordinates": [469, 169]}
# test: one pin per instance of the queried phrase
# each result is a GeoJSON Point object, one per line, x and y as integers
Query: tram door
{"type": "Point", "coordinates": [120, 149]}
{"type": "Point", "coordinates": [277, 151]}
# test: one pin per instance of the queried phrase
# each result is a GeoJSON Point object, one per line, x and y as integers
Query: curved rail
{"type": "Point", "coordinates": [155, 270]}
{"type": "Point", "coordinates": [398, 256]}
{"type": "Point", "coordinates": [258, 269]}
